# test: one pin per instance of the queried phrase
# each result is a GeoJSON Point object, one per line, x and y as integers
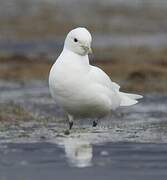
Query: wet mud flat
{"type": "Point", "coordinates": [129, 144]}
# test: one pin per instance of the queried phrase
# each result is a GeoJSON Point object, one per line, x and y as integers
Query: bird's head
{"type": "Point", "coordinates": [79, 41]}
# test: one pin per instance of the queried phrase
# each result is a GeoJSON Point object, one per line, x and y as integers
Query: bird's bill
{"type": "Point", "coordinates": [87, 49]}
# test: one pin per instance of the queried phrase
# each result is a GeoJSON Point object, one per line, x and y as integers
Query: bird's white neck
{"type": "Point", "coordinates": [74, 57]}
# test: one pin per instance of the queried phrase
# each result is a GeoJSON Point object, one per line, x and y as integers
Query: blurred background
{"type": "Point", "coordinates": [129, 39]}
{"type": "Point", "coordinates": [129, 43]}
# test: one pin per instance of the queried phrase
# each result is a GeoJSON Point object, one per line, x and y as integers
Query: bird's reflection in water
{"type": "Point", "coordinates": [79, 152]}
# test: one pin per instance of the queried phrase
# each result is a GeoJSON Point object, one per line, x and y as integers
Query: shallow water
{"type": "Point", "coordinates": [129, 144]}
{"type": "Point", "coordinates": [106, 161]}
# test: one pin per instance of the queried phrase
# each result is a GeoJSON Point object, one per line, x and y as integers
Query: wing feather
{"type": "Point", "coordinates": [99, 76]}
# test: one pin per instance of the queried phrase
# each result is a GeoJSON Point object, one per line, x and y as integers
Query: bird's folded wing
{"type": "Point", "coordinates": [99, 76]}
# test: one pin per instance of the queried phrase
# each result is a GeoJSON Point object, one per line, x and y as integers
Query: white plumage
{"type": "Point", "coordinates": [81, 89]}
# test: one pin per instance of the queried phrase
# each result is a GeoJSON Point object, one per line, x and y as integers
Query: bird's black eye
{"type": "Point", "coordinates": [75, 40]}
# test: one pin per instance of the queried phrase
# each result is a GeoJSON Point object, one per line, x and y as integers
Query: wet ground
{"type": "Point", "coordinates": [129, 144]}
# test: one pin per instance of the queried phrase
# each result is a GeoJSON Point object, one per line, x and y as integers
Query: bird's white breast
{"type": "Point", "coordinates": [72, 88]}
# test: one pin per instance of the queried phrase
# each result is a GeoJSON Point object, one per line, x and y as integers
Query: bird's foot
{"type": "Point", "coordinates": [94, 123]}
{"type": "Point", "coordinates": [70, 121]}
{"type": "Point", "coordinates": [67, 132]}
{"type": "Point", "coordinates": [71, 125]}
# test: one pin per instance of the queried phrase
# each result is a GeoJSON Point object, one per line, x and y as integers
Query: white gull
{"type": "Point", "coordinates": [81, 89]}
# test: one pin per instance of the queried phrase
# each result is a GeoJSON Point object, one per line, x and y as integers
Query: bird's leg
{"type": "Point", "coordinates": [70, 121]}
{"type": "Point", "coordinates": [94, 123]}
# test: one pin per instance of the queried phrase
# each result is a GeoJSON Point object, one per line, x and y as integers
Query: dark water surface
{"type": "Point", "coordinates": [108, 161]}
{"type": "Point", "coordinates": [129, 144]}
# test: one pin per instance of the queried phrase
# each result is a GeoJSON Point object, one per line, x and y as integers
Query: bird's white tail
{"type": "Point", "coordinates": [128, 99]}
